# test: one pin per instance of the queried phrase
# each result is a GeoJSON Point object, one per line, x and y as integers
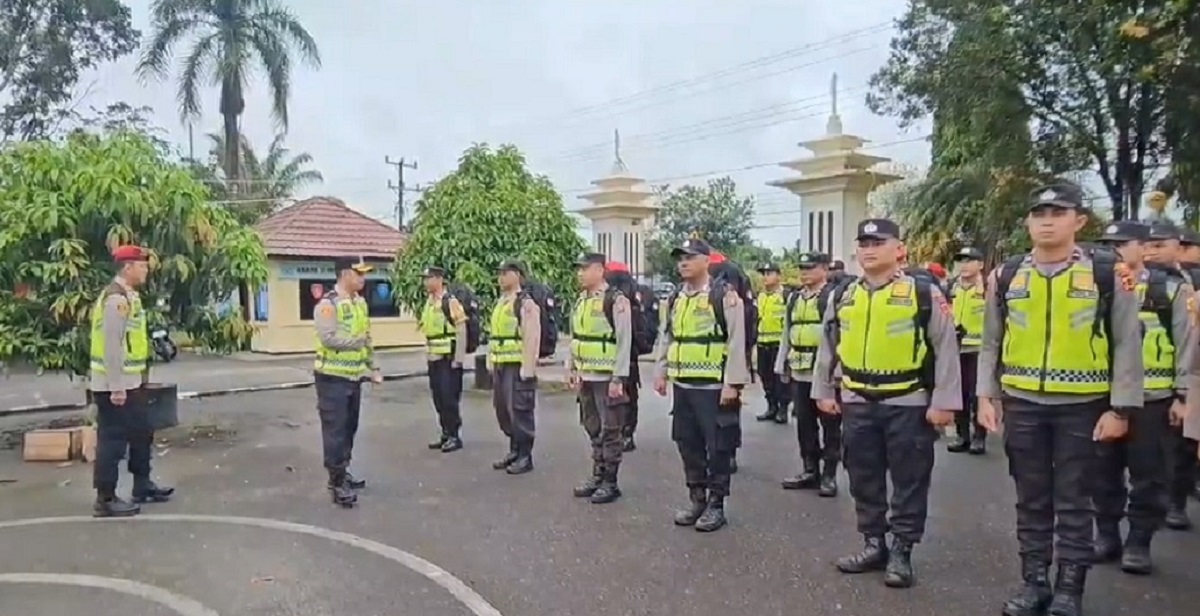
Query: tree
{"type": "Point", "coordinates": [714, 212]}
{"type": "Point", "coordinates": [45, 45]}
{"type": "Point", "coordinates": [262, 182]}
{"type": "Point", "coordinates": [65, 205]}
{"type": "Point", "coordinates": [232, 38]}
{"type": "Point", "coordinates": [490, 209]}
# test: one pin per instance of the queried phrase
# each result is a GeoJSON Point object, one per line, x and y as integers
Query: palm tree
{"type": "Point", "coordinates": [261, 181]}
{"type": "Point", "coordinates": [231, 38]}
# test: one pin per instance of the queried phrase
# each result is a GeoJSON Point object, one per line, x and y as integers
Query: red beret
{"type": "Point", "coordinates": [617, 266]}
{"type": "Point", "coordinates": [937, 270]}
{"type": "Point", "coordinates": [129, 253]}
{"type": "Point", "coordinates": [716, 257]}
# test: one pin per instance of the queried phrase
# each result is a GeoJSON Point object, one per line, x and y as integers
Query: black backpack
{"type": "Point", "coordinates": [643, 332]}
{"type": "Point", "coordinates": [547, 304]}
{"type": "Point", "coordinates": [1104, 267]}
{"type": "Point", "coordinates": [470, 304]}
{"type": "Point", "coordinates": [1158, 294]}
{"type": "Point", "coordinates": [923, 287]}
{"type": "Point", "coordinates": [725, 277]}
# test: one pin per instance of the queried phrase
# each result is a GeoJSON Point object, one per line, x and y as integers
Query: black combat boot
{"type": "Point", "coordinates": [353, 482]}
{"type": "Point", "coordinates": [769, 414]}
{"type": "Point", "coordinates": [733, 465]}
{"type": "Point", "coordinates": [1068, 591]}
{"type": "Point", "coordinates": [108, 505]}
{"type": "Point", "coordinates": [453, 443]}
{"type": "Point", "coordinates": [713, 517]}
{"type": "Point", "coordinates": [698, 503]}
{"type": "Point", "coordinates": [978, 443]}
{"type": "Point", "coordinates": [1136, 556]}
{"type": "Point", "coordinates": [873, 557]}
{"type": "Point", "coordinates": [1108, 542]}
{"type": "Point", "coordinates": [508, 459]}
{"type": "Point", "coordinates": [1177, 516]}
{"type": "Point", "coordinates": [588, 487]}
{"type": "Point", "coordinates": [829, 485]}
{"type": "Point", "coordinates": [958, 444]}
{"type": "Point", "coordinates": [339, 491]}
{"type": "Point", "coordinates": [781, 413]}
{"type": "Point", "coordinates": [628, 444]}
{"type": "Point", "coordinates": [808, 479]}
{"type": "Point", "coordinates": [899, 570]}
{"type": "Point", "coordinates": [607, 491]}
{"type": "Point", "coordinates": [441, 440]}
{"type": "Point", "coordinates": [524, 462]}
{"type": "Point", "coordinates": [146, 491]}
{"type": "Point", "coordinates": [1034, 595]}
{"type": "Point", "coordinates": [1196, 490]}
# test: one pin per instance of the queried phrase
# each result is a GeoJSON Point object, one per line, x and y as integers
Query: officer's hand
{"type": "Point", "coordinates": [616, 390]}
{"type": "Point", "coordinates": [988, 415]}
{"type": "Point", "coordinates": [660, 385]}
{"type": "Point", "coordinates": [829, 407]}
{"type": "Point", "coordinates": [729, 394]}
{"type": "Point", "coordinates": [528, 374]}
{"type": "Point", "coordinates": [118, 397]}
{"type": "Point", "coordinates": [939, 418]}
{"type": "Point", "coordinates": [376, 376]}
{"type": "Point", "coordinates": [1110, 427]}
{"type": "Point", "coordinates": [572, 381]}
{"type": "Point", "coordinates": [1179, 412]}
{"type": "Point", "coordinates": [456, 364]}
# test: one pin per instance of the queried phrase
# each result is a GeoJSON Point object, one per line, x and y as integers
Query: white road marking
{"type": "Point", "coordinates": [458, 589]}
{"type": "Point", "coordinates": [185, 606]}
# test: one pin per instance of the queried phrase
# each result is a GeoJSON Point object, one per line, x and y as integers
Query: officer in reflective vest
{"type": "Point", "coordinates": [1061, 363]}
{"type": "Point", "coordinates": [443, 322]}
{"type": "Point", "coordinates": [598, 369]}
{"type": "Point", "coordinates": [893, 338]}
{"type": "Point", "coordinates": [345, 357]}
{"type": "Point", "coordinates": [513, 357]}
{"type": "Point", "coordinates": [967, 297]}
{"type": "Point", "coordinates": [706, 367]}
{"type": "Point", "coordinates": [819, 434]}
{"type": "Point", "coordinates": [771, 307]}
{"type": "Point", "coordinates": [1165, 359]}
{"type": "Point", "coordinates": [120, 352]}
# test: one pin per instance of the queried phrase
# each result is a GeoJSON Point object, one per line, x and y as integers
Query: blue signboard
{"type": "Point", "coordinates": [298, 270]}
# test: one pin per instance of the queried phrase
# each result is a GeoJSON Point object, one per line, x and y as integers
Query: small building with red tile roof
{"type": "Point", "coordinates": [302, 241]}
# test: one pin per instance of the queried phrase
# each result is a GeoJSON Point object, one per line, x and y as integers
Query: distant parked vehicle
{"type": "Point", "coordinates": [164, 348]}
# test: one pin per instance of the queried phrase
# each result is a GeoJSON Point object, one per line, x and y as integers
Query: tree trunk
{"type": "Point", "coordinates": [232, 155]}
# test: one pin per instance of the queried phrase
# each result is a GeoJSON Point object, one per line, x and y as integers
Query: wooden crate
{"type": "Point", "coordinates": [60, 445]}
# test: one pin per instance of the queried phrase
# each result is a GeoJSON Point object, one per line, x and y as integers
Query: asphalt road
{"type": "Point", "coordinates": [443, 534]}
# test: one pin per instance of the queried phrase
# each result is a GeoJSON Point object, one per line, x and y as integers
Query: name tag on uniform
{"type": "Point", "coordinates": [901, 289]}
{"type": "Point", "coordinates": [1081, 285]}
{"type": "Point", "coordinates": [1019, 287]}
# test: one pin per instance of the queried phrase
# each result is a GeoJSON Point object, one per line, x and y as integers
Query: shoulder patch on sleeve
{"type": "Point", "coordinates": [325, 309]}
{"type": "Point", "coordinates": [122, 305]}
{"type": "Point", "coordinates": [1124, 276]}
{"type": "Point", "coordinates": [457, 313]}
{"type": "Point", "coordinates": [732, 299]}
{"type": "Point", "coordinates": [621, 304]}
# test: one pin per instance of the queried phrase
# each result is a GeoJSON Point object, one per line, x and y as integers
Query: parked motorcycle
{"type": "Point", "coordinates": [164, 348]}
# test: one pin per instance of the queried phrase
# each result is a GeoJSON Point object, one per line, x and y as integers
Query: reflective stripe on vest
{"type": "Point", "coordinates": [879, 347]}
{"type": "Point", "coordinates": [137, 338]}
{"type": "Point", "coordinates": [772, 309]}
{"type": "Point", "coordinates": [804, 333]}
{"type": "Point", "coordinates": [1158, 351]}
{"type": "Point", "coordinates": [969, 306]}
{"type": "Point", "coordinates": [439, 335]}
{"type": "Point", "coordinates": [504, 334]}
{"type": "Point", "coordinates": [593, 341]}
{"type": "Point", "coordinates": [353, 322]}
{"type": "Point", "coordinates": [1052, 342]}
{"type": "Point", "coordinates": [697, 350]}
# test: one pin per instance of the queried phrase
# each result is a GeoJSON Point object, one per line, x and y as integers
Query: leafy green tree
{"type": "Point", "coordinates": [490, 209]}
{"type": "Point", "coordinates": [231, 39]}
{"type": "Point", "coordinates": [263, 182]}
{"type": "Point", "coordinates": [714, 212]}
{"type": "Point", "coordinates": [45, 46]}
{"type": "Point", "coordinates": [65, 205]}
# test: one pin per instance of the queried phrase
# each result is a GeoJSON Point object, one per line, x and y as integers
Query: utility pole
{"type": "Point", "coordinates": [399, 186]}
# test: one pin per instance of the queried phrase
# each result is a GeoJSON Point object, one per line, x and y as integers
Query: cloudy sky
{"type": "Point", "coordinates": [697, 88]}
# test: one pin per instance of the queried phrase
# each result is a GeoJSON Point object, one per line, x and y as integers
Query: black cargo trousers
{"type": "Point", "coordinates": [707, 433]}
{"type": "Point", "coordinates": [339, 405]}
{"type": "Point", "coordinates": [120, 429]}
{"type": "Point", "coordinates": [1141, 453]}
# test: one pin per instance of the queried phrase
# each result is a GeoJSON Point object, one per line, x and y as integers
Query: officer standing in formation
{"type": "Point", "coordinates": [120, 355]}
{"type": "Point", "coordinates": [345, 357]}
{"type": "Point", "coordinates": [1061, 362]}
{"type": "Point", "coordinates": [1166, 325]}
{"type": "Point", "coordinates": [967, 295]}
{"type": "Point", "coordinates": [771, 306]}
{"type": "Point", "coordinates": [647, 302]}
{"type": "Point", "coordinates": [819, 434]}
{"type": "Point", "coordinates": [707, 369]}
{"type": "Point", "coordinates": [444, 324]}
{"type": "Point", "coordinates": [598, 369]}
{"type": "Point", "coordinates": [893, 339]}
{"type": "Point", "coordinates": [512, 356]}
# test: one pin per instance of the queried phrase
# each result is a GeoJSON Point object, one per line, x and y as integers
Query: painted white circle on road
{"type": "Point", "coordinates": [185, 606]}
{"type": "Point", "coordinates": [458, 589]}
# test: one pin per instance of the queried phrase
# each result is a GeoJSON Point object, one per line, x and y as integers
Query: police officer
{"type": "Point", "coordinates": [1062, 360]}
{"type": "Point", "coordinates": [967, 296]}
{"type": "Point", "coordinates": [1189, 256]}
{"type": "Point", "coordinates": [513, 335]}
{"type": "Point", "coordinates": [444, 324]}
{"type": "Point", "coordinates": [120, 352]}
{"type": "Point", "coordinates": [598, 367]}
{"type": "Point", "coordinates": [771, 303]}
{"type": "Point", "coordinates": [706, 368]}
{"type": "Point", "coordinates": [893, 338]}
{"type": "Point", "coordinates": [819, 434]}
{"type": "Point", "coordinates": [345, 357]}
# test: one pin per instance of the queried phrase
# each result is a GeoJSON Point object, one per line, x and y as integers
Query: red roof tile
{"type": "Point", "coordinates": [327, 227]}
